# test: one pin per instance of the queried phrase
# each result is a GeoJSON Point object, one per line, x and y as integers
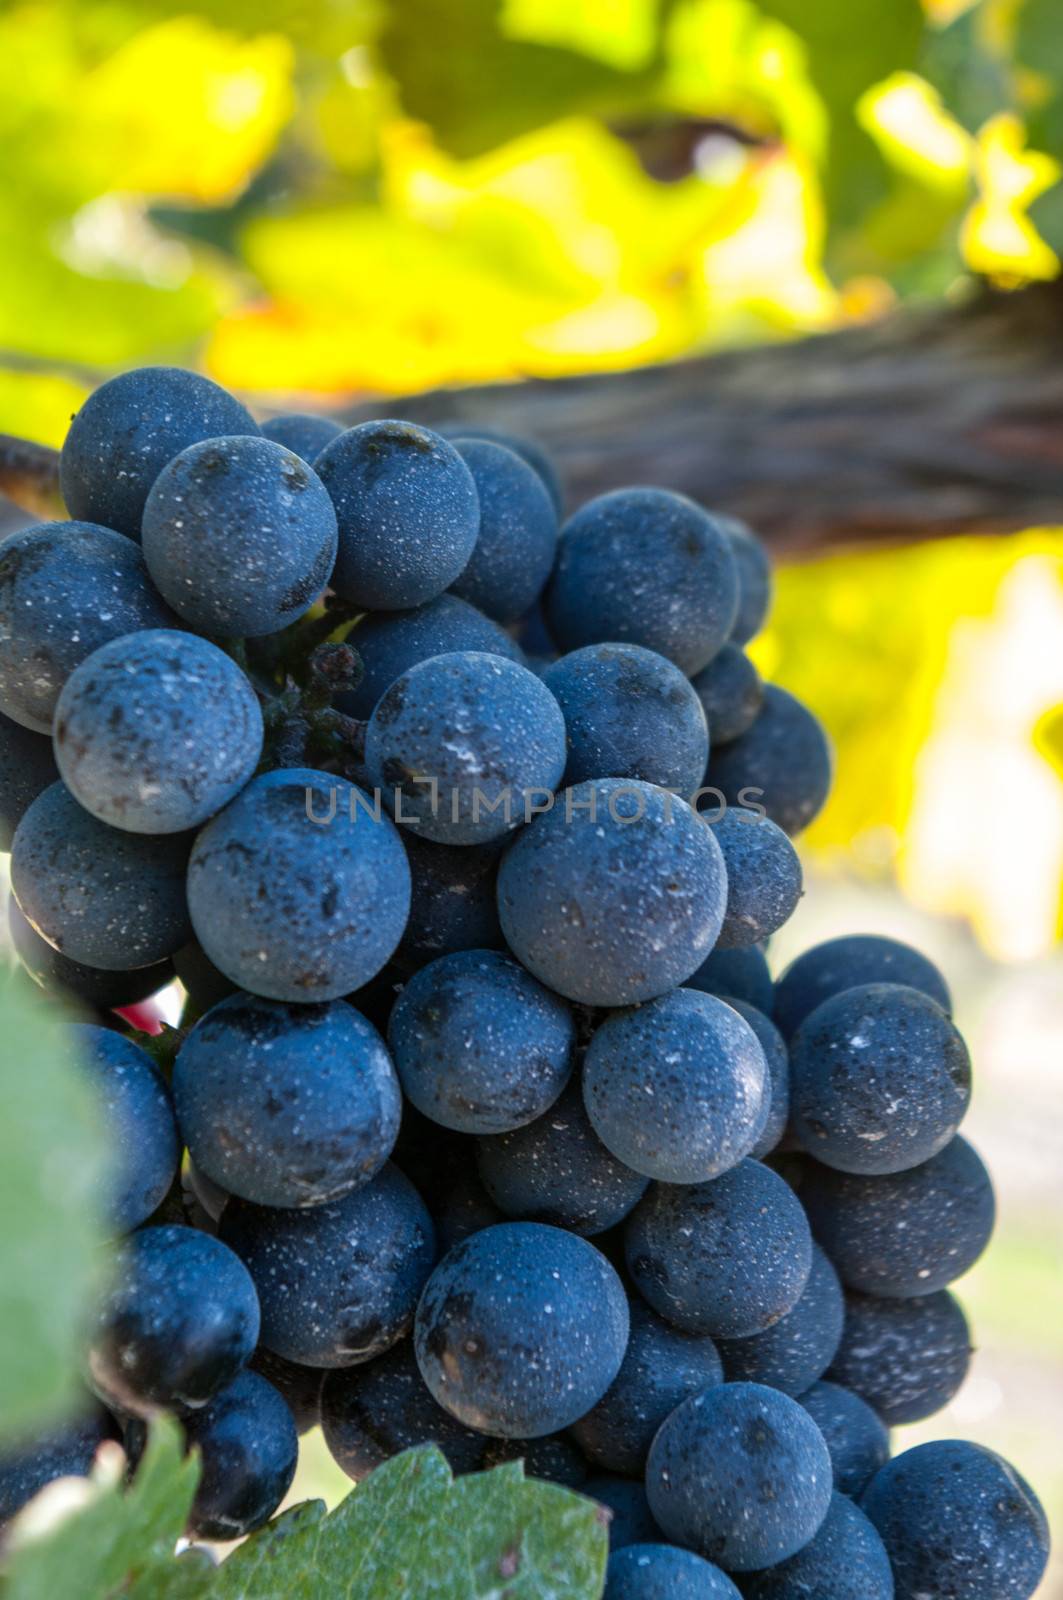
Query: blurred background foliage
{"type": "Point", "coordinates": [316, 200]}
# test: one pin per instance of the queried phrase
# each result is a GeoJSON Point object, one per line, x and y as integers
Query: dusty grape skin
{"type": "Point", "coordinates": [65, 589]}
{"type": "Point", "coordinates": [958, 1520]}
{"type": "Point", "coordinates": [407, 511]}
{"type": "Point", "coordinates": [57, 974]}
{"type": "Point", "coordinates": [462, 744]}
{"type": "Point", "coordinates": [764, 881]}
{"type": "Point", "coordinates": [731, 694]}
{"type": "Point", "coordinates": [517, 541]}
{"type": "Point", "coordinates": [857, 1439]}
{"type": "Point", "coordinates": [781, 763]}
{"type": "Point", "coordinates": [646, 877]}
{"type": "Point", "coordinates": [371, 1412]}
{"type": "Point", "coordinates": [677, 1088]}
{"type": "Point", "coordinates": [100, 896]}
{"type": "Point", "coordinates": [295, 909]}
{"type": "Point", "coordinates": [754, 578]}
{"type": "Point", "coordinates": [156, 732]}
{"type": "Point", "coordinates": [128, 430]}
{"type": "Point", "coordinates": [453, 903]}
{"type": "Point", "coordinates": [644, 566]}
{"type": "Point", "coordinates": [662, 1367]}
{"type": "Point", "coordinates": [904, 1112]}
{"type": "Point", "coordinates": [390, 643]}
{"type": "Point", "coordinates": [906, 1358]}
{"type": "Point", "coordinates": [796, 1351]}
{"type": "Point", "coordinates": [240, 536]}
{"type": "Point", "coordinates": [777, 1109]}
{"type": "Point", "coordinates": [663, 1572]}
{"type": "Point", "coordinates": [248, 1445]}
{"type": "Point", "coordinates": [743, 974]}
{"type": "Point", "coordinates": [629, 713]}
{"type": "Point", "coordinates": [179, 1320]}
{"type": "Point", "coordinates": [847, 963]}
{"type": "Point", "coordinates": [726, 1258]}
{"type": "Point", "coordinates": [27, 766]}
{"type": "Point", "coordinates": [521, 1329]}
{"type": "Point", "coordinates": [741, 1474]}
{"type": "Point", "coordinates": [67, 1451]}
{"type": "Point", "coordinates": [845, 1561]}
{"type": "Point", "coordinates": [480, 1046]}
{"type": "Point", "coordinates": [529, 450]}
{"type": "Point", "coordinates": [908, 1233]}
{"type": "Point", "coordinates": [630, 1519]}
{"type": "Point", "coordinates": [338, 1283]}
{"type": "Point", "coordinates": [286, 1105]}
{"type": "Point", "coordinates": [306, 433]}
{"type": "Point", "coordinates": [556, 1170]}
{"type": "Point", "coordinates": [138, 1108]}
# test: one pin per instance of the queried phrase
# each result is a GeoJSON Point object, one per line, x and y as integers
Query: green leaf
{"type": "Point", "coordinates": [971, 74]}
{"type": "Point", "coordinates": [851, 45]}
{"type": "Point", "coordinates": [1039, 48]}
{"type": "Point", "coordinates": [123, 1540]}
{"type": "Point", "coordinates": [413, 1532]}
{"type": "Point", "coordinates": [443, 54]}
{"type": "Point", "coordinates": [52, 1161]}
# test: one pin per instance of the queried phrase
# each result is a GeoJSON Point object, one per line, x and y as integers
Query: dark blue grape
{"type": "Point", "coordinates": [67, 1451]}
{"type": "Point", "coordinates": [908, 1233]}
{"type": "Point", "coordinates": [741, 1474]}
{"type": "Point", "coordinates": [139, 1119]}
{"type": "Point", "coordinates": [286, 1105]}
{"type": "Point", "coordinates": [156, 732]}
{"type": "Point", "coordinates": [390, 645]}
{"type": "Point", "coordinates": [128, 430]}
{"type": "Point", "coordinates": [906, 1358]}
{"type": "Point", "coordinates": [957, 1519]}
{"type": "Point", "coordinates": [517, 541]}
{"type": "Point", "coordinates": [777, 1058]}
{"type": "Point", "coordinates": [100, 896]}
{"type": "Point", "coordinates": [372, 1412]}
{"type": "Point", "coordinates": [521, 1329]}
{"type": "Point", "coordinates": [764, 882]}
{"type": "Point", "coordinates": [338, 1283]}
{"type": "Point", "coordinates": [464, 1209]}
{"type": "Point", "coordinates": [551, 1459]}
{"type": "Point", "coordinates": [305, 432]}
{"type": "Point", "coordinates": [845, 1561]}
{"type": "Point", "coordinates": [880, 1080]}
{"type": "Point", "coordinates": [629, 713]}
{"type": "Point", "coordinates": [26, 767]}
{"type": "Point", "coordinates": [754, 578]}
{"type": "Point", "coordinates": [648, 567]}
{"type": "Point", "coordinates": [731, 694]}
{"type": "Point", "coordinates": [466, 743]}
{"type": "Point", "coordinates": [661, 1368]}
{"type": "Point", "coordinates": [65, 589]}
{"type": "Point", "coordinates": [57, 974]}
{"type": "Point", "coordinates": [179, 1320]}
{"type": "Point", "coordinates": [614, 896]}
{"type": "Point", "coordinates": [848, 963]}
{"type": "Point", "coordinates": [797, 1350]}
{"type": "Point", "coordinates": [407, 510]}
{"type": "Point", "coordinates": [529, 450]}
{"type": "Point", "coordinates": [239, 536]}
{"type": "Point", "coordinates": [453, 903]}
{"type": "Point", "coordinates": [479, 1044]}
{"type": "Point", "coordinates": [248, 1448]}
{"type": "Point", "coordinates": [299, 1386]}
{"type": "Point", "coordinates": [781, 763]}
{"type": "Point", "coordinates": [661, 1572]}
{"type": "Point", "coordinates": [299, 890]}
{"type": "Point", "coordinates": [856, 1436]}
{"type": "Point", "coordinates": [736, 974]}
{"type": "Point", "coordinates": [727, 1258]}
{"type": "Point", "coordinates": [677, 1088]}
{"type": "Point", "coordinates": [630, 1519]}
{"type": "Point", "coordinates": [557, 1170]}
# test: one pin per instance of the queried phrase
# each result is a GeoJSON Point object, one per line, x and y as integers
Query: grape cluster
{"type": "Point", "coordinates": [486, 1124]}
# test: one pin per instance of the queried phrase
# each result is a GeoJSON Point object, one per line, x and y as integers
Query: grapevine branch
{"type": "Point", "coordinates": [934, 421]}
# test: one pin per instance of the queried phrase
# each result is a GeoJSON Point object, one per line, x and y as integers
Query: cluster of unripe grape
{"type": "Point", "coordinates": [486, 1124]}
